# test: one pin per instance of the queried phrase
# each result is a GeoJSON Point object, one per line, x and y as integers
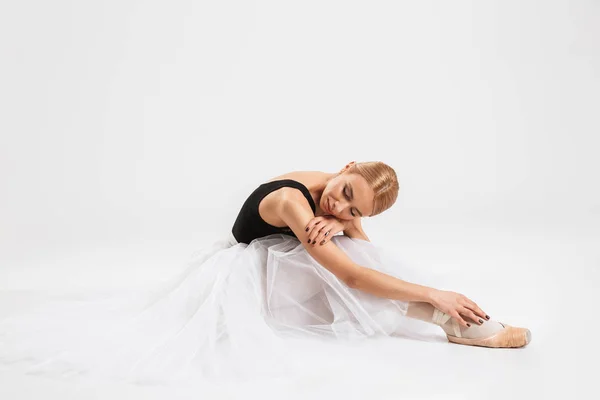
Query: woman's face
{"type": "Point", "coordinates": [347, 196]}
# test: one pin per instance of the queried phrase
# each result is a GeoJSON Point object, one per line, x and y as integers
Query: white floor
{"type": "Point", "coordinates": [543, 277]}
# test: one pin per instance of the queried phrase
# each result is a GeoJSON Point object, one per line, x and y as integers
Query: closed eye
{"type": "Point", "coordinates": [348, 197]}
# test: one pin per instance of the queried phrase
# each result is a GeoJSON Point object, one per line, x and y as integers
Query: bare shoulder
{"type": "Point", "coordinates": [271, 207]}
{"type": "Point", "coordinates": [284, 194]}
{"type": "Point", "coordinates": [307, 178]}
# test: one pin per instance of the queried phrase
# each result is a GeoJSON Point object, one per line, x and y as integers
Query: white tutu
{"type": "Point", "coordinates": [238, 310]}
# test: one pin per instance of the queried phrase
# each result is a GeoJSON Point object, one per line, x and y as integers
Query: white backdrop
{"type": "Point", "coordinates": [132, 131]}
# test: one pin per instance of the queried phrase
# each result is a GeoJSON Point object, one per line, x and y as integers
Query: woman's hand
{"type": "Point", "coordinates": [323, 228]}
{"type": "Point", "coordinates": [457, 306]}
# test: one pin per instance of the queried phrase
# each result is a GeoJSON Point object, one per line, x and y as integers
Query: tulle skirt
{"type": "Point", "coordinates": [238, 311]}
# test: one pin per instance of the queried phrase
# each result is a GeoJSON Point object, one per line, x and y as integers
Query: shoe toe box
{"type": "Point", "coordinates": [527, 337]}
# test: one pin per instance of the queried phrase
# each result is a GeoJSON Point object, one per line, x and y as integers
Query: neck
{"type": "Point", "coordinates": [317, 190]}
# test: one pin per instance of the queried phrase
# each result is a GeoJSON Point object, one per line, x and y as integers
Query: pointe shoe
{"type": "Point", "coordinates": [510, 336]}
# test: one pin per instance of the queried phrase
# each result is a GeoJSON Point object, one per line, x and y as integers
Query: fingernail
{"type": "Point", "coordinates": [308, 240]}
{"type": "Point", "coordinates": [314, 241]}
{"type": "Point", "coordinates": [481, 321]}
{"type": "Point", "coordinates": [469, 325]}
{"type": "Point", "coordinates": [306, 229]}
{"type": "Point", "coordinates": [487, 316]}
{"type": "Point", "coordinates": [322, 242]}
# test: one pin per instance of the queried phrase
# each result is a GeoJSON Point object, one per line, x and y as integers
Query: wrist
{"type": "Point", "coordinates": [430, 295]}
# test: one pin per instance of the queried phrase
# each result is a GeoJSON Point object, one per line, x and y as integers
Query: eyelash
{"type": "Point", "coordinates": [348, 197]}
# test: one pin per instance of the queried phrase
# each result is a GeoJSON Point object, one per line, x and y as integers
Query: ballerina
{"type": "Point", "coordinates": [315, 206]}
{"type": "Point", "coordinates": [296, 266]}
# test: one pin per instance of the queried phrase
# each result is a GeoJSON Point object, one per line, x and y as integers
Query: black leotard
{"type": "Point", "coordinates": [249, 225]}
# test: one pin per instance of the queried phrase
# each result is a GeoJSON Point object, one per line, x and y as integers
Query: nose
{"type": "Point", "coordinates": [338, 207]}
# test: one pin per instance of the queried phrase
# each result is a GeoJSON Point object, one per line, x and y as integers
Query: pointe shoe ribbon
{"type": "Point", "coordinates": [440, 318]}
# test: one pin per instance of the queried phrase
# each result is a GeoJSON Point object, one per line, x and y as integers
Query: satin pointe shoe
{"type": "Point", "coordinates": [508, 337]}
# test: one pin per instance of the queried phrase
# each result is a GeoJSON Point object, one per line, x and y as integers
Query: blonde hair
{"type": "Point", "coordinates": [382, 179]}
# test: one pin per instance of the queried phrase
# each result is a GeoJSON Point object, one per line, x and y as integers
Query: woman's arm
{"type": "Point", "coordinates": [294, 210]}
{"type": "Point", "coordinates": [354, 230]}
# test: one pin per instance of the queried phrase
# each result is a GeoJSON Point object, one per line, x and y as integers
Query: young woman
{"type": "Point", "coordinates": [313, 207]}
{"type": "Point", "coordinates": [260, 299]}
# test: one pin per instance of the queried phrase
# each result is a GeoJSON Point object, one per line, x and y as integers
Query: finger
{"type": "Point", "coordinates": [312, 237]}
{"type": "Point", "coordinates": [316, 233]}
{"type": "Point", "coordinates": [321, 236]}
{"type": "Point", "coordinates": [312, 234]}
{"type": "Point", "coordinates": [323, 226]}
{"type": "Point", "coordinates": [328, 232]}
{"type": "Point", "coordinates": [460, 320]}
{"type": "Point", "coordinates": [475, 318]}
{"type": "Point", "coordinates": [312, 223]}
{"type": "Point", "coordinates": [478, 311]}
{"type": "Point", "coordinates": [314, 229]}
{"type": "Point", "coordinates": [325, 238]}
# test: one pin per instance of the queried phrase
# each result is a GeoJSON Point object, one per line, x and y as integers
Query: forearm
{"type": "Point", "coordinates": [382, 285]}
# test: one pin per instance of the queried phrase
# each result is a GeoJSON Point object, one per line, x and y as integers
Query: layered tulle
{"type": "Point", "coordinates": [237, 311]}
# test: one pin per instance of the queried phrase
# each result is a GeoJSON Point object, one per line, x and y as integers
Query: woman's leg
{"type": "Point", "coordinates": [425, 312]}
